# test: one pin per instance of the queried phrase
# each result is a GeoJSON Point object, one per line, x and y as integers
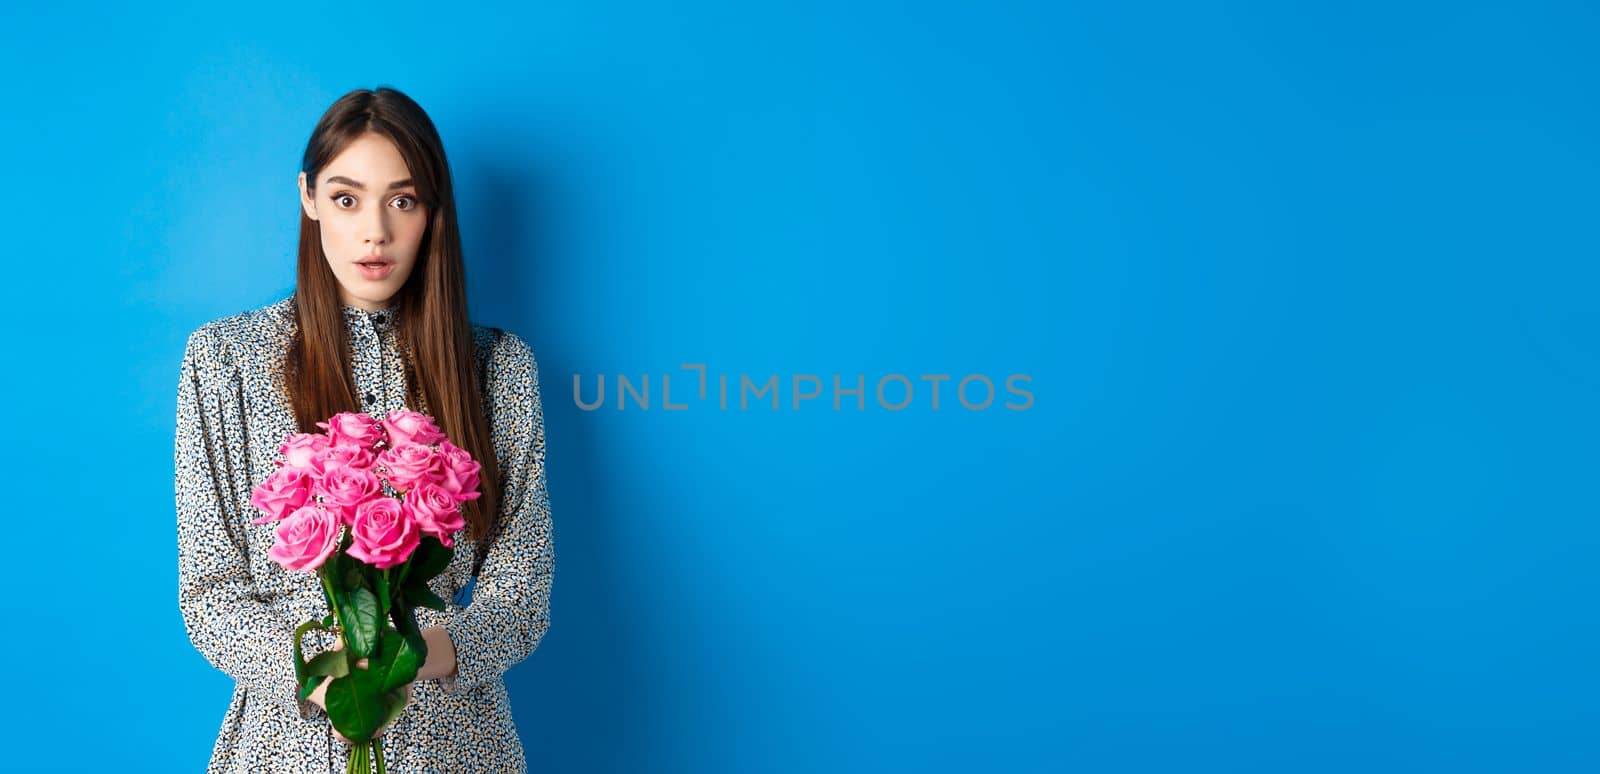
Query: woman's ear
{"type": "Point", "coordinates": [307, 203]}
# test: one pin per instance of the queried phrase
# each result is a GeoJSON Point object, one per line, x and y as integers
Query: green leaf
{"type": "Point", "coordinates": [402, 614]}
{"type": "Point", "coordinates": [430, 559]}
{"type": "Point", "coordinates": [355, 705]}
{"type": "Point", "coordinates": [299, 658]}
{"type": "Point", "coordinates": [330, 664]}
{"type": "Point", "coordinates": [405, 567]}
{"type": "Point", "coordinates": [381, 578]}
{"type": "Point", "coordinates": [424, 597]}
{"type": "Point", "coordinates": [348, 577]}
{"type": "Point", "coordinates": [359, 611]}
{"type": "Point", "coordinates": [339, 573]}
{"type": "Point", "coordinates": [418, 645]}
{"type": "Point", "coordinates": [397, 662]}
{"type": "Point", "coordinates": [394, 703]}
{"type": "Point", "coordinates": [405, 622]}
{"type": "Point", "coordinates": [426, 563]}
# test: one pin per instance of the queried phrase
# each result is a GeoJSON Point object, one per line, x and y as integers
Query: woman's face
{"type": "Point", "coordinates": [370, 217]}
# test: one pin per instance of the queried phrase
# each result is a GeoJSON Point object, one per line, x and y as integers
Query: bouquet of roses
{"type": "Point", "coordinates": [371, 507]}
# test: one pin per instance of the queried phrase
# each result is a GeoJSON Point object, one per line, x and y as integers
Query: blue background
{"type": "Point", "coordinates": [1306, 295]}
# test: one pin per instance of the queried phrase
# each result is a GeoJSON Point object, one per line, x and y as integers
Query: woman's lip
{"type": "Point", "coordinates": [375, 270]}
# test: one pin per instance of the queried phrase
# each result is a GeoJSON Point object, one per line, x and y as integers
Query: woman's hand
{"type": "Point", "coordinates": [320, 694]}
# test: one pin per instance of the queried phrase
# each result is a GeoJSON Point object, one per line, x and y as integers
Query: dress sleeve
{"type": "Point", "coordinates": [226, 618]}
{"type": "Point", "coordinates": [510, 609]}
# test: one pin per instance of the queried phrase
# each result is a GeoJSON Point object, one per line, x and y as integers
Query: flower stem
{"type": "Point", "coordinates": [327, 593]}
{"type": "Point", "coordinates": [377, 749]}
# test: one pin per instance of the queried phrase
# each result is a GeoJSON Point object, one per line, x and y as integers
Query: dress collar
{"type": "Point", "coordinates": [380, 319]}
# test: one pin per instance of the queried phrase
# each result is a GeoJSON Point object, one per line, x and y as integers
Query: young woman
{"type": "Point", "coordinates": [377, 322]}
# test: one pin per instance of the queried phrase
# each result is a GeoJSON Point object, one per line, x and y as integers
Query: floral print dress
{"type": "Point", "coordinates": [240, 608]}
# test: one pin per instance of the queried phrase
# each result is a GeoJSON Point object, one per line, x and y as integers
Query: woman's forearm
{"type": "Point", "coordinates": [441, 654]}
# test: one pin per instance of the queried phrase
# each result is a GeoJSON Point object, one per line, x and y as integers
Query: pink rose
{"type": "Point", "coordinates": [350, 428]}
{"type": "Point", "coordinates": [282, 493]}
{"type": "Point", "coordinates": [305, 539]}
{"type": "Point", "coordinates": [347, 488]}
{"type": "Point", "coordinates": [383, 534]}
{"type": "Point", "coordinates": [406, 464]}
{"type": "Point", "coordinates": [460, 472]}
{"type": "Point", "coordinates": [411, 427]}
{"type": "Point", "coordinates": [299, 448]}
{"type": "Point", "coordinates": [357, 457]}
{"type": "Point", "coordinates": [435, 511]}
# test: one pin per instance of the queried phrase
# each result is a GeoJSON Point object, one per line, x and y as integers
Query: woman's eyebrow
{"type": "Point", "coordinates": [349, 182]}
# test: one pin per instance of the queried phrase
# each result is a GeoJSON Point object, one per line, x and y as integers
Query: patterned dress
{"type": "Point", "coordinates": [240, 608]}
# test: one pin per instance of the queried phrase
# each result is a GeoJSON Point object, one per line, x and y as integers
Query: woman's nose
{"type": "Point", "coordinates": [377, 229]}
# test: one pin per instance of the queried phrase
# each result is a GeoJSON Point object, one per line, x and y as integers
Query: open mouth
{"type": "Point", "coordinates": [375, 270]}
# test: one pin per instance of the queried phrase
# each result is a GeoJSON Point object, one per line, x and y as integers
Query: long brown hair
{"type": "Point", "coordinates": [441, 372]}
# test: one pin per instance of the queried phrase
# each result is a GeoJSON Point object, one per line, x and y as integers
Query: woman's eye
{"type": "Point", "coordinates": [339, 198]}
{"type": "Point", "coordinates": [410, 202]}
